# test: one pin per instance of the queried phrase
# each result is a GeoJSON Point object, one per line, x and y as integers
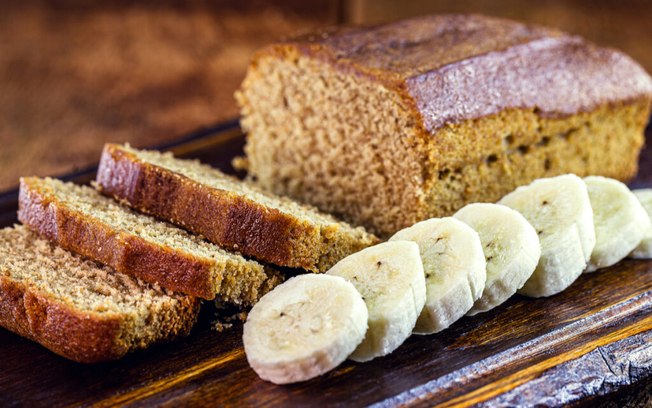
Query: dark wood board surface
{"type": "Point", "coordinates": [590, 345]}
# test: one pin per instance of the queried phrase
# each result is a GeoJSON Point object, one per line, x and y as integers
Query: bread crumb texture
{"type": "Point", "coordinates": [82, 220]}
{"type": "Point", "coordinates": [79, 309]}
{"type": "Point", "coordinates": [229, 212]}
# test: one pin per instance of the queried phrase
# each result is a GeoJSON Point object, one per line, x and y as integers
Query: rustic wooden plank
{"type": "Point", "coordinates": [476, 354]}
{"type": "Point", "coordinates": [592, 339]}
{"type": "Point", "coordinates": [599, 372]}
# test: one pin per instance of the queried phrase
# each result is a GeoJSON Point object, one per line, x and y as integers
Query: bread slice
{"type": "Point", "coordinates": [387, 125]}
{"type": "Point", "coordinates": [80, 219]}
{"type": "Point", "coordinates": [79, 310]}
{"type": "Point", "coordinates": [227, 211]}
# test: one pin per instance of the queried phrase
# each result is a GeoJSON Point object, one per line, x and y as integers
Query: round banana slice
{"type": "Point", "coordinates": [560, 211]}
{"type": "Point", "coordinates": [454, 266]}
{"type": "Point", "coordinates": [620, 221]}
{"type": "Point", "coordinates": [390, 278]}
{"type": "Point", "coordinates": [511, 249]}
{"type": "Point", "coordinates": [304, 328]}
{"type": "Point", "coordinates": [644, 249]}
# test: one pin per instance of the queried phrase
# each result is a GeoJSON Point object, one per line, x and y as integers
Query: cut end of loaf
{"type": "Point", "coordinates": [338, 141]}
{"type": "Point", "coordinates": [78, 309]}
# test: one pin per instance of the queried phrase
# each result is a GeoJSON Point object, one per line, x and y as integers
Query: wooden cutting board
{"type": "Point", "coordinates": [591, 344]}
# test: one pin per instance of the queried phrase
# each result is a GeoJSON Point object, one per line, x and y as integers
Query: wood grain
{"type": "Point", "coordinates": [590, 344]}
{"type": "Point", "coordinates": [604, 370]}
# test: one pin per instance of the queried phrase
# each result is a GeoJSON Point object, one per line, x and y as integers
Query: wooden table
{"type": "Point", "coordinates": [590, 345]}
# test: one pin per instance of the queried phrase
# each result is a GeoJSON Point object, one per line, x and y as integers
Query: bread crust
{"type": "Point", "coordinates": [225, 218]}
{"type": "Point", "coordinates": [79, 336]}
{"type": "Point", "coordinates": [122, 251]}
{"type": "Point", "coordinates": [427, 60]}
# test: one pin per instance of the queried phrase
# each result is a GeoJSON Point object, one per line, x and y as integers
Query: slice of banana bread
{"type": "Point", "coordinates": [80, 310]}
{"type": "Point", "coordinates": [227, 211]}
{"type": "Point", "coordinates": [391, 124]}
{"type": "Point", "coordinates": [80, 219]}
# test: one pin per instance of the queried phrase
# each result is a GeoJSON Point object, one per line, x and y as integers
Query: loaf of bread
{"type": "Point", "coordinates": [227, 211]}
{"type": "Point", "coordinates": [81, 220]}
{"type": "Point", "coordinates": [388, 125]}
{"type": "Point", "coordinates": [78, 309]}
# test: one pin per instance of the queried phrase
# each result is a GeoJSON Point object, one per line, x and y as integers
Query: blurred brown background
{"type": "Point", "coordinates": [75, 74]}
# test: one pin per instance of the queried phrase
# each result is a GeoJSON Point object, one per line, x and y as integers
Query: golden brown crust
{"type": "Point", "coordinates": [39, 300]}
{"type": "Point", "coordinates": [230, 220]}
{"type": "Point", "coordinates": [123, 252]}
{"type": "Point", "coordinates": [78, 336]}
{"type": "Point", "coordinates": [73, 335]}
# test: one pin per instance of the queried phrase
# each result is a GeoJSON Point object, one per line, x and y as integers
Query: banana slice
{"type": "Point", "coordinates": [304, 328]}
{"type": "Point", "coordinates": [454, 266]}
{"type": "Point", "coordinates": [620, 221]}
{"type": "Point", "coordinates": [560, 211]}
{"type": "Point", "coordinates": [644, 249]}
{"type": "Point", "coordinates": [390, 278]}
{"type": "Point", "coordinates": [511, 249]}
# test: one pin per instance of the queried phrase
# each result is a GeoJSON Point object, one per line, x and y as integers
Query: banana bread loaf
{"type": "Point", "coordinates": [227, 211]}
{"type": "Point", "coordinates": [81, 220]}
{"type": "Point", "coordinates": [388, 125]}
{"type": "Point", "coordinates": [78, 309]}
